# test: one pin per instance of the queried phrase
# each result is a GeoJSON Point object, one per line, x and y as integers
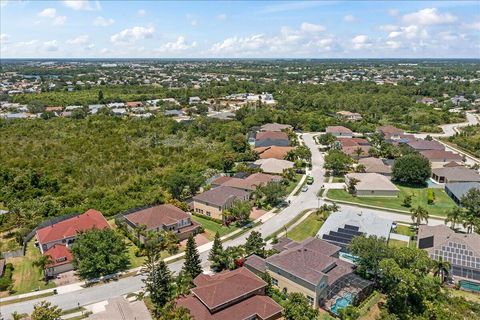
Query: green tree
{"type": "Point", "coordinates": [173, 312]}
{"type": "Point", "coordinates": [99, 252]}
{"type": "Point", "coordinates": [411, 169]}
{"type": "Point", "coordinates": [441, 268]}
{"type": "Point", "coordinates": [407, 201]}
{"type": "Point", "coordinates": [338, 162]}
{"type": "Point", "coordinates": [271, 193]}
{"type": "Point", "coordinates": [454, 217]}
{"type": "Point", "coordinates": [348, 313]}
{"type": "Point", "coordinates": [183, 284]}
{"type": "Point", "coordinates": [471, 202]}
{"type": "Point", "coordinates": [44, 310]}
{"type": "Point", "coordinates": [255, 244]}
{"type": "Point", "coordinates": [192, 264]}
{"type": "Point", "coordinates": [298, 308]}
{"type": "Point", "coordinates": [215, 256]}
{"type": "Point", "coordinates": [327, 139]}
{"type": "Point", "coordinates": [418, 215]}
{"type": "Point", "coordinates": [42, 263]}
{"type": "Point", "coordinates": [240, 210]}
{"type": "Point", "coordinates": [352, 183]}
{"type": "Point", "coordinates": [370, 251]}
{"type": "Point", "coordinates": [100, 96]}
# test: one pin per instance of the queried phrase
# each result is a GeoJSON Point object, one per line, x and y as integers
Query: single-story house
{"type": "Point", "coordinates": [455, 174]}
{"type": "Point", "coordinates": [165, 217]}
{"type": "Point", "coordinates": [121, 308]}
{"type": "Point", "coordinates": [232, 295]}
{"type": "Point", "coordinates": [352, 151]}
{"type": "Point", "coordinates": [272, 165]}
{"type": "Point", "coordinates": [247, 184]}
{"type": "Point", "coordinates": [349, 142]}
{"type": "Point", "coordinates": [275, 127]}
{"type": "Point", "coordinates": [390, 132]}
{"type": "Point", "coordinates": [61, 260]}
{"type": "Point", "coordinates": [375, 165]}
{"type": "Point", "coordinates": [441, 156]}
{"type": "Point", "coordinates": [64, 232]}
{"type": "Point", "coordinates": [340, 227]}
{"type": "Point", "coordinates": [213, 202]}
{"type": "Point", "coordinates": [349, 116]}
{"type": "Point", "coordinates": [339, 131]}
{"type": "Point", "coordinates": [460, 249]}
{"type": "Point", "coordinates": [426, 100]}
{"type": "Point", "coordinates": [194, 100]}
{"type": "Point", "coordinates": [271, 138]}
{"type": "Point", "coordinates": [134, 104]}
{"type": "Point", "coordinates": [420, 145]}
{"type": "Point", "coordinates": [273, 152]}
{"type": "Point", "coordinates": [372, 185]}
{"type": "Point", "coordinates": [457, 190]}
{"type": "Point", "coordinates": [312, 268]}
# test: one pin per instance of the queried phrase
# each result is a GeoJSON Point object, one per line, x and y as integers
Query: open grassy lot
{"type": "Point", "coordinates": [307, 228]}
{"type": "Point", "coordinates": [440, 207]}
{"type": "Point", "coordinates": [26, 277]}
{"type": "Point", "coordinates": [211, 227]}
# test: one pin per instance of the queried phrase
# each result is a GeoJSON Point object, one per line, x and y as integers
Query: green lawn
{"type": "Point", "coordinates": [397, 243]}
{"type": "Point", "coordinates": [338, 179]}
{"type": "Point", "coordinates": [307, 228]}
{"type": "Point", "coordinates": [211, 227]}
{"type": "Point", "coordinates": [292, 184]}
{"type": "Point", "coordinates": [441, 206]}
{"type": "Point", "coordinates": [26, 277]}
{"type": "Point", "coordinates": [405, 230]}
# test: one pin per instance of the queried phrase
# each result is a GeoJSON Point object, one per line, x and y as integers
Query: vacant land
{"type": "Point", "coordinates": [440, 207]}
{"type": "Point", "coordinates": [211, 227]}
{"type": "Point", "coordinates": [307, 228]}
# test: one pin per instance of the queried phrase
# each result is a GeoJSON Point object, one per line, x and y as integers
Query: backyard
{"type": "Point", "coordinates": [440, 207]}
{"type": "Point", "coordinates": [307, 228]}
{"type": "Point", "coordinates": [211, 227]}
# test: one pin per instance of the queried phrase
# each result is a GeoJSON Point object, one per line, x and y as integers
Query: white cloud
{"type": "Point", "coordinates": [192, 20]}
{"type": "Point", "coordinates": [50, 45]}
{"type": "Point", "coordinates": [409, 32]}
{"type": "Point", "coordinates": [238, 44]}
{"type": "Point", "coordinates": [393, 44]}
{"type": "Point", "coordinates": [473, 25]}
{"type": "Point", "coordinates": [350, 18]}
{"type": "Point", "coordinates": [4, 38]}
{"type": "Point", "coordinates": [103, 22]}
{"type": "Point", "coordinates": [361, 41]}
{"type": "Point", "coordinates": [48, 13]}
{"type": "Point", "coordinates": [80, 40]}
{"type": "Point", "coordinates": [393, 12]}
{"type": "Point", "coordinates": [310, 27]}
{"type": "Point", "coordinates": [132, 35]}
{"type": "Point", "coordinates": [105, 51]}
{"type": "Point", "coordinates": [179, 45]}
{"type": "Point", "coordinates": [142, 12]}
{"type": "Point", "coordinates": [428, 16]}
{"type": "Point", "coordinates": [59, 20]}
{"type": "Point", "coordinates": [82, 5]}
{"type": "Point", "coordinates": [222, 16]}
{"type": "Point", "coordinates": [389, 27]}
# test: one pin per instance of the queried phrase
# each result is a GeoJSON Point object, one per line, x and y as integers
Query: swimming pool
{"type": "Point", "coordinates": [347, 257]}
{"type": "Point", "coordinates": [342, 302]}
{"type": "Point", "coordinates": [470, 286]}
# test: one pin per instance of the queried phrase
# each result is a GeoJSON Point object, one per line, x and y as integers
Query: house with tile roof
{"type": "Point", "coordinates": [275, 127]}
{"type": "Point", "coordinates": [339, 131]}
{"type": "Point", "coordinates": [455, 174]}
{"type": "Point", "coordinates": [420, 145]}
{"type": "Point", "coordinates": [441, 157]}
{"type": "Point", "coordinates": [249, 183]}
{"type": "Point", "coordinates": [165, 217]}
{"type": "Point", "coordinates": [232, 295]}
{"type": "Point", "coordinates": [213, 202]}
{"type": "Point", "coordinates": [375, 165]}
{"type": "Point", "coordinates": [61, 260]}
{"type": "Point", "coordinates": [271, 138]}
{"type": "Point", "coordinates": [372, 185]}
{"type": "Point", "coordinates": [458, 190]}
{"type": "Point", "coordinates": [275, 166]}
{"type": "Point", "coordinates": [65, 232]}
{"type": "Point", "coordinates": [276, 152]}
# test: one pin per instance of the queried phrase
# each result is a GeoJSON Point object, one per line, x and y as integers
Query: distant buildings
{"type": "Point", "coordinates": [349, 116]}
{"type": "Point", "coordinates": [339, 131]}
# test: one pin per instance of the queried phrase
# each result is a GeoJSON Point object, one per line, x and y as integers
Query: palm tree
{"type": "Point", "coordinates": [358, 151]}
{"type": "Point", "coordinates": [170, 242]}
{"type": "Point", "coordinates": [418, 214]}
{"type": "Point", "coordinates": [454, 216]}
{"type": "Point", "coordinates": [441, 268]}
{"type": "Point", "coordinates": [470, 221]}
{"type": "Point", "coordinates": [42, 263]}
{"type": "Point", "coordinates": [360, 168]}
{"type": "Point", "coordinates": [17, 316]}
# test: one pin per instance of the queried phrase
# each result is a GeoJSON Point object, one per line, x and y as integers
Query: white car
{"type": "Point", "coordinates": [304, 189]}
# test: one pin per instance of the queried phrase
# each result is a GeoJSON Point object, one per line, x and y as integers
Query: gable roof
{"type": "Point", "coordinates": [275, 127]}
{"type": "Point", "coordinates": [277, 152]}
{"type": "Point", "coordinates": [457, 174]}
{"type": "Point", "coordinates": [372, 181]}
{"type": "Point", "coordinates": [442, 155]}
{"type": "Point", "coordinates": [375, 165]}
{"type": "Point", "coordinates": [70, 227]}
{"type": "Point", "coordinates": [271, 135]}
{"type": "Point", "coordinates": [221, 195]}
{"type": "Point", "coordinates": [390, 130]}
{"type": "Point", "coordinates": [217, 290]}
{"type": "Point", "coordinates": [425, 145]}
{"type": "Point", "coordinates": [338, 129]}
{"type": "Point", "coordinates": [273, 165]}
{"type": "Point", "coordinates": [59, 254]}
{"type": "Point", "coordinates": [157, 216]}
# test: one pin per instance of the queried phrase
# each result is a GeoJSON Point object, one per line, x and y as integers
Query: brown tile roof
{"type": "Point", "coordinates": [249, 183]}
{"type": "Point", "coordinates": [283, 243]}
{"type": "Point", "coordinates": [351, 151]}
{"type": "Point", "coordinates": [426, 145]}
{"type": "Point", "coordinates": [275, 127]}
{"type": "Point", "coordinates": [443, 234]}
{"type": "Point", "coordinates": [256, 263]}
{"type": "Point", "coordinates": [219, 289]}
{"type": "Point", "coordinates": [347, 142]}
{"type": "Point", "coordinates": [375, 165]}
{"type": "Point", "coordinates": [339, 129]}
{"type": "Point", "coordinates": [452, 164]}
{"type": "Point", "coordinates": [273, 152]}
{"type": "Point", "coordinates": [221, 195]}
{"type": "Point", "coordinates": [59, 254]}
{"type": "Point", "coordinates": [390, 130]}
{"type": "Point", "coordinates": [311, 261]}
{"type": "Point", "coordinates": [272, 135]}
{"type": "Point", "coordinates": [441, 156]}
{"type": "Point", "coordinates": [154, 217]}
{"type": "Point", "coordinates": [457, 174]}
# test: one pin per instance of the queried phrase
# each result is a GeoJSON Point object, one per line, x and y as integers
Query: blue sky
{"type": "Point", "coordinates": [268, 29]}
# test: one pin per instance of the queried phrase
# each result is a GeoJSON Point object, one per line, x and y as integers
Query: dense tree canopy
{"type": "Point", "coordinates": [412, 169]}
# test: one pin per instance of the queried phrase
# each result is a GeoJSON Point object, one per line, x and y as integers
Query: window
{"type": "Point", "coordinates": [310, 300]}
{"type": "Point", "coordinates": [275, 282]}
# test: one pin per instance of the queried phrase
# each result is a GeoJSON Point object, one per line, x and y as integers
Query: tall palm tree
{"type": "Point", "coordinates": [170, 242]}
{"type": "Point", "coordinates": [441, 268]}
{"type": "Point", "coordinates": [470, 221]}
{"type": "Point", "coordinates": [454, 216]}
{"type": "Point", "coordinates": [418, 214]}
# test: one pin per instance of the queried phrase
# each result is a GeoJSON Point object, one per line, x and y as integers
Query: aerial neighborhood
{"type": "Point", "coordinates": [238, 189]}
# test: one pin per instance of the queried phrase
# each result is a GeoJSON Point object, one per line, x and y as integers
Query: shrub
{"type": "Point", "coordinates": [6, 279]}
{"type": "Point", "coordinates": [207, 218]}
{"type": "Point", "coordinates": [430, 196]}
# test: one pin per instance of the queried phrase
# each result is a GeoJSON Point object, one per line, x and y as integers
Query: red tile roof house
{"type": "Point", "coordinates": [134, 104]}
{"type": "Point", "coordinates": [230, 295]}
{"type": "Point", "coordinates": [163, 217]}
{"type": "Point", "coordinates": [55, 239]}
{"type": "Point", "coordinates": [339, 131]}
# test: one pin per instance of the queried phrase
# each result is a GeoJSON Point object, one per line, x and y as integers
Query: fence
{"type": "Point", "coordinates": [14, 254]}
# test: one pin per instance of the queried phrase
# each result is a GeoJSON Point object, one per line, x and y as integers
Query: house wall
{"type": "Point", "coordinates": [208, 210]}
{"type": "Point", "coordinates": [45, 246]}
{"type": "Point", "coordinates": [54, 271]}
{"type": "Point", "coordinates": [342, 134]}
{"type": "Point", "coordinates": [376, 193]}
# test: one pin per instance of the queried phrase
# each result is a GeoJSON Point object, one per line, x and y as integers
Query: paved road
{"type": "Point", "coordinates": [305, 200]}
{"type": "Point", "coordinates": [450, 129]}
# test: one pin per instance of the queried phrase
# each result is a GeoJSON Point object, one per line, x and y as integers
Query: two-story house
{"type": "Point", "coordinates": [213, 202]}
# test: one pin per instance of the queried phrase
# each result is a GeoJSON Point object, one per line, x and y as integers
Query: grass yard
{"type": "Point", "coordinates": [211, 227]}
{"type": "Point", "coordinates": [475, 297]}
{"type": "Point", "coordinates": [294, 183]}
{"type": "Point", "coordinates": [394, 243]}
{"type": "Point", "coordinates": [338, 179]}
{"type": "Point", "coordinates": [405, 230]}
{"type": "Point", "coordinates": [307, 228]}
{"type": "Point", "coordinates": [441, 206]}
{"type": "Point", "coordinates": [26, 277]}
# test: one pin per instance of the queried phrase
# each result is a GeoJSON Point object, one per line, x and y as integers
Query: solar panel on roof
{"type": "Point", "coordinates": [350, 227]}
{"type": "Point", "coordinates": [336, 239]}
{"type": "Point", "coordinates": [341, 235]}
{"type": "Point", "coordinates": [348, 231]}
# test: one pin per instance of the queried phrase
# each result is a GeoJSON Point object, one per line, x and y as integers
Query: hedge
{"type": "Point", "coordinates": [207, 217]}
{"type": "Point", "coordinates": [6, 279]}
{"type": "Point", "coordinates": [430, 196]}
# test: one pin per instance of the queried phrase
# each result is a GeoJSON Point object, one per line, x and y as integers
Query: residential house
{"type": "Point", "coordinates": [390, 132]}
{"type": "Point", "coordinates": [64, 232]}
{"type": "Point", "coordinates": [375, 165]}
{"type": "Point", "coordinates": [213, 202]}
{"type": "Point", "coordinates": [458, 190]}
{"type": "Point", "coordinates": [61, 260]}
{"type": "Point", "coordinates": [247, 184]}
{"type": "Point", "coordinates": [353, 151]}
{"type": "Point", "coordinates": [455, 174]}
{"type": "Point", "coordinates": [422, 145]}
{"type": "Point", "coordinates": [372, 185]}
{"type": "Point", "coordinates": [341, 227]}
{"type": "Point", "coordinates": [458, 99]}
{"type": "Point", "coordinates": [312, 268]}
{"type": "Point", "coordinates": [339, 131]}
{"type": "Point", "coordinates": [273, 152]}
{"type": "Point", "coordinates": [275, 127]}
{"type": "Point", "coordinates": [460, 249]}
{"type": "Point", "coordinates": [426, 100]}
{"type": "Point", "coordinates": [194, 100]}
{"type": "Point", "coordinates": [120, 308]}
{"type": "Point", "coordinates": [134, 104]}
{"type": "Point", "coordinates": [166, 217]}
{"type": "Point", "coordinates": [271, 138]}
{"type": "Point", "coordinates": [441, 156]}
{"type": "Point", "coordinates": [349, 116]}
{"type": "Point", "coordinates": [232, 295]}
{"type": "Point", "coordinates": [272, 165]}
